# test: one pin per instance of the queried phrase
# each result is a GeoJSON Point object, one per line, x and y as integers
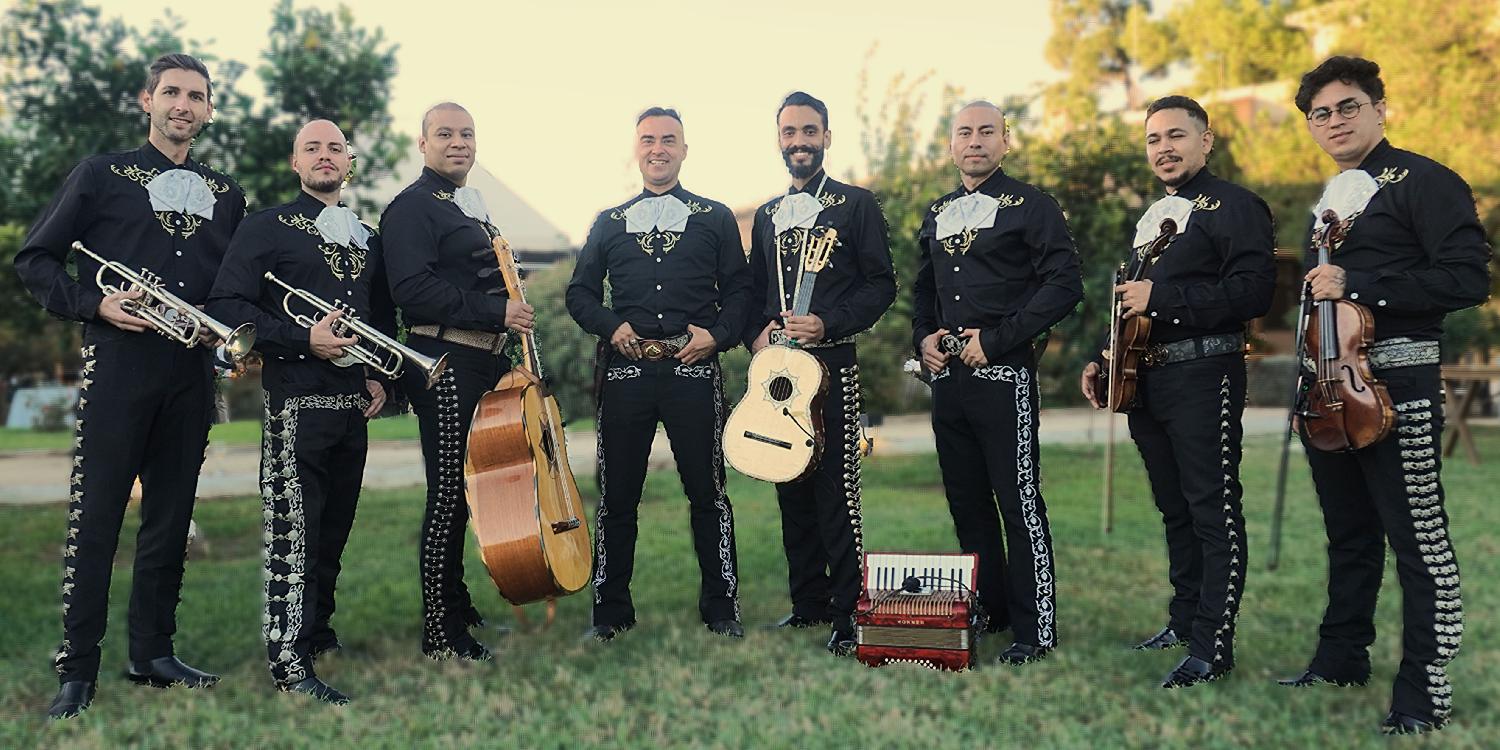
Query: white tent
{"type": "Point", "coordinates": [536, 241]}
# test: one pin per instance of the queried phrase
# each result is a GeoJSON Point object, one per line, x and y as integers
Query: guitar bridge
{"type": "Point", "coordinates": [768, 440]}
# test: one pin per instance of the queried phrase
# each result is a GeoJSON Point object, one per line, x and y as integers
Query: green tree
{"type": "Point", "coordinates": [318, 65]}
{"type": "Point", "coordinates": [1102, 43]}
{"type": "Point", "coordinates": [70, 84]}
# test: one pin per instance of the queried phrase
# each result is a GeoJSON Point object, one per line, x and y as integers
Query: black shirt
{"type": "Point", "coordinates": [1011, 281]}
{"type": "Point", "coordinates": [104, 204]}
{"type": "Point", "coordinates": [284, 241]}
{"type": "Point", "coordinates": [855, 288]}
{"type": "Point", "coordinates": [1417, 252]}
{"type": "Point", "coordinates": [661, 281]}
{"type": "Point", "coordinates": [1219, 272]}
{"type": "Point", "coordinates": [441, 265]}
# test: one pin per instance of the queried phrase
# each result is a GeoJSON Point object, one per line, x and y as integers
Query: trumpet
{"type": "Point", "coordinates": [374, 349]}
{"type": "Point", "coordinates": [170, 315]}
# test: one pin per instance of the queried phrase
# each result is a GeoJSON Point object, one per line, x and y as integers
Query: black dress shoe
{"type": "Point", "coordinates": [1191, 671]}
{"type": "Point", "coordinates": [729, 628]}
{"type": "Point", "coordinates": [317, 689]}
{"type": "Point", "coordinates": [606, 633]}
{"type": "Point", "coordinates": [71, 700]}
{"type": "Point", "coordinates": [1022, 653]}
{"type": "Point", "coordinates": [167, 671]}
{"type": "Point", "coordinates": [1310, 678]}
{"type": "Point", "coordinates": [795, 620]}
{"type": "Point", "coordinates": [1399, 723]}
{"type": "Point", "coordinates": [1166, 639]}
{"type": "Point", "coordinates": [459, 647]}
{"type": "Point", "coordinates": [841, 642]}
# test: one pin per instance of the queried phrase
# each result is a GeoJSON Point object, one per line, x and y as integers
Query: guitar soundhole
{"type": "Point", "coordinates": [548, 447]}
{"type": "Point", "coordinates": [780, 388]}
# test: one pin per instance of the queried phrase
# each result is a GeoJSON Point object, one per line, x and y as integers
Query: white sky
{"type": "Point", "coordinates": [554, 86]}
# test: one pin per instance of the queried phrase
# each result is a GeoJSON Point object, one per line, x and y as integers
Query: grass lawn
{"type": "Point", "coordinates": [670, 683]}
{"type": "Point", "coordinates": [239, 432]}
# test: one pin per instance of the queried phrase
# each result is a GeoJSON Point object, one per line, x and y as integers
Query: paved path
{"type": "Point", "coordinates": [41, 477]}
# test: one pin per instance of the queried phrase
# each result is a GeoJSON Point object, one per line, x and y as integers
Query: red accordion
{"type": "Point", "coordinates": [917, 609]}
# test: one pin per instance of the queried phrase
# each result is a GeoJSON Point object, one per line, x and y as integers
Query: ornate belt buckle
{"type": "Point", "coordinates": [654, 350]}
{"type": "Point", "coordinates": [951, 344]}
{"type": "Point", "coordinates": [1154, 356]}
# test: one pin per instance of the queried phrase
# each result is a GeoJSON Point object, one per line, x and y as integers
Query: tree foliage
{"type": "Point", "coordinates": [69, 89]}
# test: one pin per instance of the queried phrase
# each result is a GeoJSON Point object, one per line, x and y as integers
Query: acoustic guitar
{"type": "Point", "coordinates": [775, 433]}
{"type": "Point", "coordinates": [523, 502]}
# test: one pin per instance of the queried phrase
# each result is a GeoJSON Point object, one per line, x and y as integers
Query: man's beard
{"type": "Point", "coordinates": [319, 184]}
{"type": "Point", "coordinates": [163, 125]}
{"type": "Point", "coordinates": [802, 172]}
{"type": "Point", "coordinates": [1181, 178]}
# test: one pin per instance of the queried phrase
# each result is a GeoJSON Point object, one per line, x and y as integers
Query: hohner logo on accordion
{"type": "Point", "coordinates": [918, 608]}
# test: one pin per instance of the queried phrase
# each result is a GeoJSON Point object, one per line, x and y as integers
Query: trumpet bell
{"type": "Point", "coordinates": [240, 340]}
{"type": "Point", "coordinates": [433, 369]}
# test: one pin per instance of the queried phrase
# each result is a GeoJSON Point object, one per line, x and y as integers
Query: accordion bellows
{"type": "Point", "coordinates": [917, 608]}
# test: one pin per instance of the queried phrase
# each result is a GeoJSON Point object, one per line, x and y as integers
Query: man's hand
{"type": "Point", "coordinates": [764, 339]}
{"type": "Point", "coordinates": [519, 316]}
{"type": "Point", "coordinates": [1134, 297]}
{"type": "Point", "coordinates": [1327, 282]}
{"type": "Point", "coordinates": [626, 342]}
{"type": "Point", "coordinates": [804, 329]}
{"type": "Point", "coordinates": [112, 312]}
{"type": "Point", "coordinates": [702, 345]}
{"type": "Point", "coordinates": [324, 343]}
{"type": "Point", "coordinates": [377, 398]}
{"type": "Point", "coordinates": [933, 356]}
{"type": "Point", "coordinates": [206, 336]}
{"type": "Point", "coordinates": [972, 353]}
{"type": "Point", "coordinates": [1090, 383]}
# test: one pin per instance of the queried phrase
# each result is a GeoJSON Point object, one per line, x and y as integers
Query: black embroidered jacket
{"type": "Point", "coordinates": [660, 281]}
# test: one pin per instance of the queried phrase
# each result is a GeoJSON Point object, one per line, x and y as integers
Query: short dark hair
{"type": "Point", "coordinates": [1178, 101]}
{"type": "Point", "coordinates": [1355, 71]}
{"type": "Point", "coordinates": [804, 99]}
{"type": "Point", "coordinates": [177, 61]}
{"type": "Point", "coordinates": [658, 112]}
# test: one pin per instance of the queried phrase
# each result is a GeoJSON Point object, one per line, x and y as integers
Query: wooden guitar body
{"type": "Point", "coordinates": [775, 433]}
{"type": "Point", "coordinates": [523, 502]}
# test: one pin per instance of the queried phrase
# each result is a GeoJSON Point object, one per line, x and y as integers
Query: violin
{"type": "Point", "coordinates": [1128, 338]}
{"type": "Point", "coordinates": [1344, 408]}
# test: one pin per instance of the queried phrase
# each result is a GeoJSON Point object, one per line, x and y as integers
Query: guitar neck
{"type": "Point", "coordinates": [803, 302]}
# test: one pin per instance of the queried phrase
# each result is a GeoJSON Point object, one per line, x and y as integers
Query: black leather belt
{"type": "Point", "coordinates": [1188, 350]}
{"type": "Point", "coordinates": [1398, 351]}
{"type": "Point", "coordinates": [483, 340]}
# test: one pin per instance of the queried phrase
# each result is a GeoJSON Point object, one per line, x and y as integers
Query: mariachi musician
{"type": "Point", "coordinates": [820, 515]}
{"type": "Point", "coordinates": [146, 402]}
{"type": "Point", "coordinates": [998, 268]}
{"type": "Point", "coordinates": [1412, 253]}
{"type": "Point", "coordinates": [679, 290]}
{"type": "Point", "coordinates": [445, 278]}
{"type": "Point", "coordinates": [1217, 273]}
{"type": "Point", "coordinates": [314, 439]}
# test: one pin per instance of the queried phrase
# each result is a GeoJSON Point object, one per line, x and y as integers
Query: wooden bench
{"type": "Point", "coordinates": [1465, 380]}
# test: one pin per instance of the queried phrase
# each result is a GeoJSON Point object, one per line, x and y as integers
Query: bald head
{"type": "Point", "coordinates": [442, 107]}
{"type": "Point", "coordinates": [447, 143]}
{"type": "Point", "coordinates": [322, 159]}
{"type": "Point", "coordinates": [978, 141]}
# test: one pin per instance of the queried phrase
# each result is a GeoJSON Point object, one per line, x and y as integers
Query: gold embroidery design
{"type": "Point", "coordinates": [829, 200]}
{"type": "Point", "coordinates": [1206, 203]}
{"type": "Point", "coordinates": [1389, 175]}
{"type": "Point", "coordinates": [958, 244]}
{"type": "Point", "coordinates": [649, 241]}
{"type": "Point", "coordinates": [698, 208]}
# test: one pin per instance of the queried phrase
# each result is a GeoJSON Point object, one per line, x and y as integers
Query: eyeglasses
{"type": "Point", "coordinates": [1347, 109]}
